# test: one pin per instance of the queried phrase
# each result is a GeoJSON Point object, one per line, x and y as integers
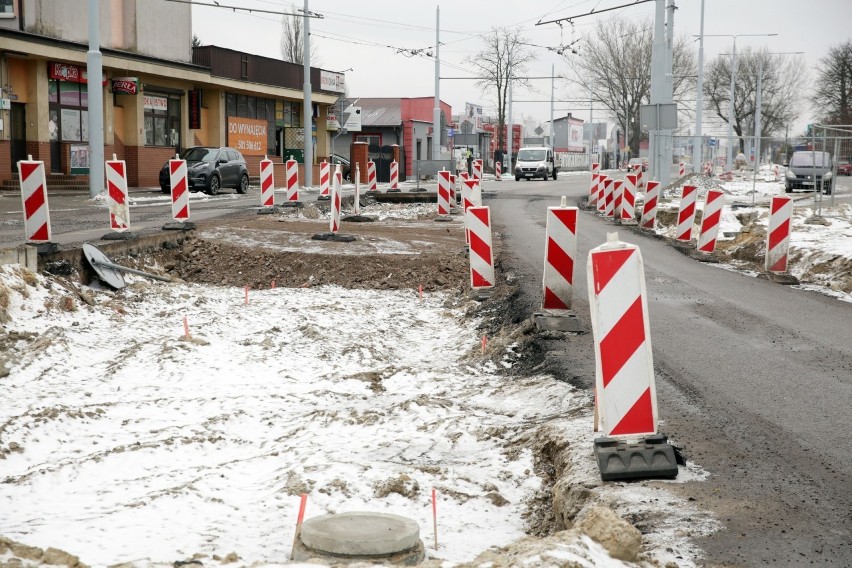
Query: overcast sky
{"type": "Point", "coordinates": [372, 39]}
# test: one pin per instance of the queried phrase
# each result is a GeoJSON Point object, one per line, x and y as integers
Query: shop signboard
{"type": "Point", "coordinates": [248, 135]}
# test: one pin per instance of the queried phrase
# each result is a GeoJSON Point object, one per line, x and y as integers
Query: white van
{"type": "Point", "coordinates": [535, 162]}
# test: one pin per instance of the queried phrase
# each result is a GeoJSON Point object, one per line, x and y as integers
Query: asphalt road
{"type": "Point", "coordinates": [754, 380]}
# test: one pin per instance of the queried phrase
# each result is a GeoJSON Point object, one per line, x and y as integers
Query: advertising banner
{"type": "Point", "coordinates": [248, 135]}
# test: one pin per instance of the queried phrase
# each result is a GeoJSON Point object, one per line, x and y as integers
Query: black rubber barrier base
{"type": "Point", "coordinates": [650, 457]}
{"type": "Point", "coordinates": [179, 226]}
{"type": "Point", "coordinates": [47, 248]}
{"type": "Point", "coordinates": [785, 279]}
{"type": "Point", "coordinates": [268, 210]}
{"type": "Point", "coordinates": [553, 321]}
{"type": "Point", "coordinates": [116, 236]}
{"type": "Point", "coordinates": [358, 219]}
{"type": "Point", "coordinates": [291, 204]}
{"type": "Point", "coordinates": [324, 198]}
{"type": "Point", "coordinates": [333, 237]}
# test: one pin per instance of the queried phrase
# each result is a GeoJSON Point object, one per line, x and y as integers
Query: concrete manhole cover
{"type": "Point", "coordinates": [360, 534]}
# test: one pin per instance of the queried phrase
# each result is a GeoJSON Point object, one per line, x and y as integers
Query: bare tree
{"type": "Point", "coordinates": [196, 41]}
{"type": "Point", "coordinates": [833, 96]}
{"type": "Point", "coordinates": [292, 40]}
{"type": "Point", "coordinates": [504, 55]}
{"type": "Point", "coordinates": [783, 79]}
{"type": "Point", "coordinates": [614, 70]}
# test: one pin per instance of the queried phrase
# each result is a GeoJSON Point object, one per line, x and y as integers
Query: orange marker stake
{"type": "Point", "coordinates": [299, 520]}
{"type": "Point", "coordinates": [484, 342]}
{"type": "Point", "coordinates": [435, 517]}
{"type": "Point", "coordinates": [186, 328]}
{"type": "Point", "coordinates": [421, 293]}
{"type": "Point", "coordinates": [273, 285]}
{"type": "Point", "coordinates": [247, 295]}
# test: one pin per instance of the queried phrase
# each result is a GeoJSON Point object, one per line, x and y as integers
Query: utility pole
{"type": "Point", "coordinates": [552, 89]}
{"type": "Point", "coordinates": [509, 129]}
{"type": "Point", "coordinates": [309, 108]}
{"type": "Point", "coordinates": [436, 112]}
{"type": "Point", "coordinates": [94, 68]}
{"type": "Point", "coordinates": [698, 143]}
{"type": "Point", "coordinates": [591, 128]}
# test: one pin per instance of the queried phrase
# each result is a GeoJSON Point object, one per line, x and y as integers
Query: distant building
{"type": "Point", "coordinates": [160, 95]}
{"type": "Point", "coordinates": [568, 135]}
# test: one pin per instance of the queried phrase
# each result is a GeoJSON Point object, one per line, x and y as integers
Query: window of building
{"type": "Point", "coordinates": [247, 106]}
{"type": "Point", "coordinates": [244, 66]}
{"type": "Point", "coordinates": [161, 119]}
{"type": "Point", "coordinates": [67, 104]}
{"type": "Point", "coordinates": [7, 9]}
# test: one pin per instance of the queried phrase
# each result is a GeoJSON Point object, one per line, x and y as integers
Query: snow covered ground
{"type": "Point", "coordinates": [126, 442]}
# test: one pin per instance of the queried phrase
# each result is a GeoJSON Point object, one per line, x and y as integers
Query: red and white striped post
{"type": "Point", "coordinates": [468, 187]}
{"type": "Point", "coordinates": [394, 176]}
{"type": "Point", "coordinates": [119, 207]}
{"type": "Point", "coordinates": [593, 188]}
{"type": "Point", "coordinates": [292, 180]}
{"type": "Point", "coordinates": [477, 169]}
{"type": "Point", "coordinates": [617, 192]}
{"type": "Point", "coordinates": [640, 177]}
{"type": "Point", "coordinates": [649, 208]}
{"type": "Point", "coordinates": [778, 236]}
{"type": "Point", "coordinates": [682, 169]}
{"type": "Point", "coordinates": [476, 194]}
{"type": "Point", "coordinates": [267, 183]}
{"type": "Point", "coordinates": [498, 170]}
{"type": "Point", "coordinates": [624, 367]}
{"type": "Point", "coordinates": [609, 198]}
{"type": "Point", "coordinates": [334, 220]}
{"type": "Point", "coordinates": [603, 183]}
{"type": "Point", "coordinates": [559, 254]}
{"type": "Point", "coordinates": [686, 213]}
{"type": "Point", "coordinates": [180, 189]}
{"type": "Point", "coordinates": [481, 252]}
{"type": "Point", "coordinates": [713, 204]}
{"type": "Point", "coordinates": [628, 202]}
{"type": "Point", "coordinates": [452, 192]}
{"type": "Point", "coordinates": [443, 193]}
{"type": "Point", "coordinates": [325, 179]}
{"type": "Point", "coordinates": [34, 198]}
{"type": "Point", "coordinates": [371, 176]}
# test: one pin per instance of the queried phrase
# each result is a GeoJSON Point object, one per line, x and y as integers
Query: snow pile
{"type": "Point", "coordinates": [123, 440]}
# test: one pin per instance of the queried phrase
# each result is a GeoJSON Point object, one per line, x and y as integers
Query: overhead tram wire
{"type": "Point", "coordinates": [249, 10]}
{"type": "Point", "coordinates": [570, 19]}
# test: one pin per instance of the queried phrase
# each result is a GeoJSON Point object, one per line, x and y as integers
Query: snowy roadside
{"type": "Point", "coordinates": [820, 253]}
{"type": "Point", "coordinates": [123, 442]}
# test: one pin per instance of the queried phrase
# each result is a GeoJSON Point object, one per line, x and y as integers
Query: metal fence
{"type": "Point", "coordinates": [573, 161]}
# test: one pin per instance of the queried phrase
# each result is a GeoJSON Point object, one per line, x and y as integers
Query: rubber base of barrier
{"type": "Point", "coordinates": [268, 210]}
{"type": "Point", "coordinates": [397, 190]}
{"type": "Point", "coordinates": [358, 219]}
{"type": "Point", "coordinates": [323, 198]}
{"type": "Point", "coordinates": [46, 248]}
{"type": "Point", "coordinates": [418, 190]}
{"type": "Point", "coordinates": [548, 321]}
{"type": "Point", "coordinates": [650, 457]}
{"type": "Point", "coordinates": [443, 218]}
{"type": "Point", "coordinates": [481, 294]}
{"type": "Point", "coordinates": [116, 236]}
{"type": "Point", "coordinates": [333, 237]}
{"type": "Point", "coordinates": [179, 226]}
{"type": "Point", "coordinates": [291, 204]}
{"type": "Point", "coordinates": [785, 279]}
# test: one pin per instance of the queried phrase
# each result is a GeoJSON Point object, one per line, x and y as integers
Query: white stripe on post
{"type": "Point", "coordinates": [649, 208]}
{"type": "Point", "coordinates": [267, 184]}
{"type": "Point", "coordinates": [293, 180]}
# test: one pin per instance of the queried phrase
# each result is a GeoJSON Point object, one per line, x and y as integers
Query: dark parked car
{"type": "Point", "coordinates": [345, 166]}
{"type": "Point", "coordinates": [210, 169]}
{"type": "Point", "coordinates": [809, 170]}
{"type": "Point", "coordinates": [844, 168]}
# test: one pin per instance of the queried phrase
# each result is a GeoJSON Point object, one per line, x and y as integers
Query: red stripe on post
{"type": "Point", "coordinates": [560, 260]}
{"type": "Point", "coordinates": [478, 246]}
{"type": "Point", "coordinates": [34, 202]}
{"type": "Point", "coordinates": [552, 301]}
{"type": "Point", "coordinates": [606, 264]}
{"type": "Point", "coordinates": [779, 234]}
{"type": "Point", "coordinates": [27, 168]}
{"type": "Point", "coordinates": [640, 417]}
{"type": "Point", "coordinates": [622, 341]}
{"type": "Point", "coordinates": [479, 280]}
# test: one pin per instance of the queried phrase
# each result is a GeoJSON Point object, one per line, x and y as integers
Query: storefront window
{"type": "Point", "coordinates": [244, 106]}
{"type": "Point", "coordinates": [162, 110]}
{"type": "Point", "coordinates": [68, 117]}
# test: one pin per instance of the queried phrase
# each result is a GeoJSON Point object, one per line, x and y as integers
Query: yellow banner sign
{"type": "Point", "coordinates": [248, 135]}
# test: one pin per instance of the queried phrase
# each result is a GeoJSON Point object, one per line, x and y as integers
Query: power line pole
{"type": "Point", "coordinates": [94, 67]}
{"type": "Point", "coordinates": [436, 112]}
{"type": "Point", "coordinates": [309, 109]}
{"type": "Point", "coordinates": [698, 143]}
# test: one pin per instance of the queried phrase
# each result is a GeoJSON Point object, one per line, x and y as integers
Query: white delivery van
{"type": "Point", "coordinates": [536, 162]}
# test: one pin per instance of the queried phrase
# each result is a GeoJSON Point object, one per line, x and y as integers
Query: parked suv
{"type": "Point", "coordinates": [535, 162]}
{"type": "Point", "coordinates": [209, 169]}
{"type": "Point", "coordinates": [809, 170]}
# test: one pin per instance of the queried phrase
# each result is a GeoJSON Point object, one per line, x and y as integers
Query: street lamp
{"type": "Point", "coordinates": [728, 156]}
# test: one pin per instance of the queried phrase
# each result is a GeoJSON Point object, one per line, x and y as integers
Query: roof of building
{"type": "Point", "coordinates": [380, 111]}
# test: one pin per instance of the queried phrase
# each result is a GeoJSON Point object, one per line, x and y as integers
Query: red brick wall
{"type": "Point", "coordinates": [41, 151]}
{"type": "Point", "coordinates": [279, 172]}
{"type": "Point", "coordinates": [6, 161]}
{"type": "Point", "coordinates": [144, 164]}
{"type": "Point", "coordinates": [358, 154]}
